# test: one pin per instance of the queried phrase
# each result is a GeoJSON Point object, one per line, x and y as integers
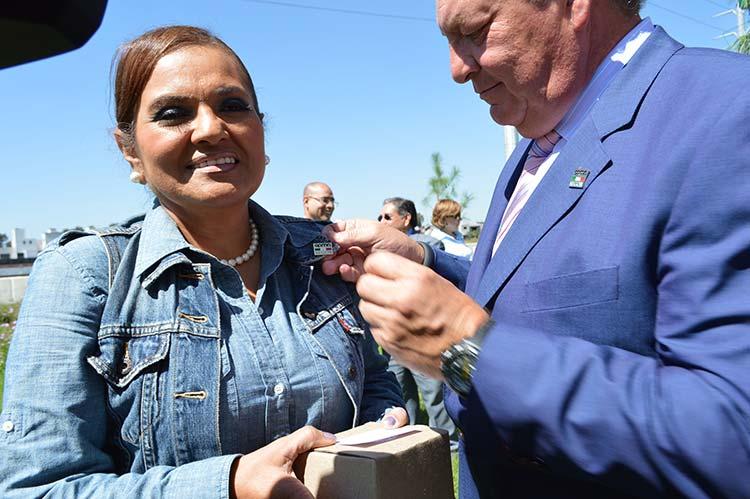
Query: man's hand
{"type": "Point", "coordinates": [268, 472]}
{"type": "Point", "coordinates": [414, 313]}
{"type": "Point", "coordinates": [358, 239]}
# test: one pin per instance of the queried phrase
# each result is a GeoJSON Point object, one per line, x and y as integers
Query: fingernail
{"type": "Point", "coordinates": [329, 436]}
{"type": "Point", "coordinates": [389, 421]}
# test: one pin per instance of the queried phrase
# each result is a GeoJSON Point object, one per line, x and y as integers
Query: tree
{"type": "Point", "coordinates": [444, 185]}
{"type": "Point", "coordinates": [3, 240]}
{"type": "Point", "coordinates": [742, 44]}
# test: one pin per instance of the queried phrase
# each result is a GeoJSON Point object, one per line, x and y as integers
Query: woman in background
{"type": "Point", "coordinates": [446, 218]}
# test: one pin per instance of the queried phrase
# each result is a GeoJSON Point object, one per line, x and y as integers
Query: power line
{"type": "Point", "coordinates": [342, 11]}
{"type": "Point", "coordinates": [680, 14]}
{"type": "Point", "coordinates": [723, 6]}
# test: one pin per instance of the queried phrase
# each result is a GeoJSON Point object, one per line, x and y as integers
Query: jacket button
{"type": "Point", "coordinates": [278, 389]}
{"type": "Point", "coordinates": [352, 372]}
{"type": "Point", "coordinates": [8, 426]}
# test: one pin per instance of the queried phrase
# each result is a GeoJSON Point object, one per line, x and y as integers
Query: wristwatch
{"type": "Point", "coordinates": [458, 362]}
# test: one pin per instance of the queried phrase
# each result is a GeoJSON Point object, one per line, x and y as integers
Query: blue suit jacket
{"type": "Point", "coordinates": [620, 361]}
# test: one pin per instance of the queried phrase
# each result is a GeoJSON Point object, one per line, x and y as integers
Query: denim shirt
{"type": "Point", "coordinates": [140, 367]}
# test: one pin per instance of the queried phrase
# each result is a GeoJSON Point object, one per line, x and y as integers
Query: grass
{"type": "Point", "coordinates": [422, 418]}
{"type": "Point", "coordinates": [8, 316]}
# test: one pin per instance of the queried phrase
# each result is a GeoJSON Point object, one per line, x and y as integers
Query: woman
{"type": "Point", "coordinates": [170, 356]}
{"type": "Point", "coordinates": [446, 218]}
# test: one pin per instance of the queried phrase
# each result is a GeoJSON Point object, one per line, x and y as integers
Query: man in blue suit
{"type": "Point", "coordinates": [602, 348]}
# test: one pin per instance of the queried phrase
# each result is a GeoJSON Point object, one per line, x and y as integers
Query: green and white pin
{"type": "Point", "coordinates": [578, 180]}
{"type": "Point", "coordinates": [323, 249]}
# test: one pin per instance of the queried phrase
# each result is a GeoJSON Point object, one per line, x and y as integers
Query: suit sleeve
{"type": "Point", "coordinates": [677, 423]}
{"type": "Point", "coordinates": [451, 267]}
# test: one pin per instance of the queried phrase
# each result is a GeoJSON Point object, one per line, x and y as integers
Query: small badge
{"type": "Point", "coordinates": [578, 180]}
{"type": "Point", "coordinates": [323, 249]}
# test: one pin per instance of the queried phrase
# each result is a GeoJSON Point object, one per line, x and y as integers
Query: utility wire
{"type": "Point", "coordinates": [680, 14]}
{"type": "Point", "coordinates": [432, 20]}
{"type": "Point", "coordinates": [342, 11]}
{"type": "Point", "coordinates": [723, 6]}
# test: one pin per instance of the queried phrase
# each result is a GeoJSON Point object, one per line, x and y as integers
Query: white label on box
{"type": "Point", "coordinates": [372, 436]}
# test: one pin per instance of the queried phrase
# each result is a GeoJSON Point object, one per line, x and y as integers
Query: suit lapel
{"type": "Point", "coordinates": [503, 191]}
{"type": "Point", "coordinates": [553, 199]}
{"type": "Point", "coordinates": [549, 203]}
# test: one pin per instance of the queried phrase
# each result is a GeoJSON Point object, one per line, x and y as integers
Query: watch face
{"type": "Point", "coordinates": [459, 370]}
{"type": "Point", "coordinates": [465, 366]}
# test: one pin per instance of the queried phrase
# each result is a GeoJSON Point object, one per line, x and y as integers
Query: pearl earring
{"type": "Point", "coordinates": [268, 159]}
{"type": "Point", "coordinates": [137, 177]}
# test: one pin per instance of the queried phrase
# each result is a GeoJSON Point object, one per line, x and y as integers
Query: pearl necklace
{"type": "Point", "coordinates": [247, 255]}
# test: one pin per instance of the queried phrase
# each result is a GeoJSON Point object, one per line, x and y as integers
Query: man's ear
{"type": "Point", "coordinates": [407, 220]}
{"type": "Point", "coordinates": [580, 13]}
{"type": "Point", "coordinates": [127, 148]}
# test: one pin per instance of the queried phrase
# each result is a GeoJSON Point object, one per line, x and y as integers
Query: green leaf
{"type": "Point", "coordinates": [742, 44]}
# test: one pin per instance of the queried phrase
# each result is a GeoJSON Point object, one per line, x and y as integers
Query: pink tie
{"type": "Point", "coordinates": [541, 148]}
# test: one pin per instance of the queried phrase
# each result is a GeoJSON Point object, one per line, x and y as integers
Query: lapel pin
{"type": "Point", "coordinates": [323, 249]}
{"type": "Point", "coordinates": [578, 180]}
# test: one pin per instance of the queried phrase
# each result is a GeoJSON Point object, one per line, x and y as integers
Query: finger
{"type": "Point", "coordinates": [391, 266]}
{"type": "Point", "coordinates": [331, 265]}
{"type": "Point", "coordinates": [349, 273]}
{"type": "Point", "coordinates": [379, 291]}
{"type": "Point", "coordinates": [290, 487]}
{"type": "Point", "coordinates": [308, 438]}
{"type": "Point", "coordinates": [395, 418]}
{"type": "Point", "coordinates": [347, 233]}
{"type": "Point", "coordinates": [376, 316]}
{"type": "Point", "coordinates": [336, 226]}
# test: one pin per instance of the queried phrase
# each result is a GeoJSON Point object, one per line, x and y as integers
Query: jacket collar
{"type": "Point", "coordinates": [162, 245]}
{"type": "Point", "coordinates": [159, 238]}
{"type": "Point", "coordinates": [620, 102]}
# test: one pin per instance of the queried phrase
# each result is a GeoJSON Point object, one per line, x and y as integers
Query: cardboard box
{"type": "Point", "coordinates": [413, 464]}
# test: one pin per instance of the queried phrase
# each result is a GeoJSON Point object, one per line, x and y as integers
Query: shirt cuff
{"type": "Point", "coordinates": [429, 254]}
{"type": "Point", "coordinates": [204, 478]}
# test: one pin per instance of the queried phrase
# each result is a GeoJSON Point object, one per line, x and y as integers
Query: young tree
{"type": "Point", "coordinates": [445, 184]}
{"type": "Point", "coordinates": [742, 44]}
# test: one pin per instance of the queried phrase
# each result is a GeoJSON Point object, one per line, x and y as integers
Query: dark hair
{"type": "Point", "coordinates": [135, 61]}
{"type": "Point", "coordinates": [404, 207]}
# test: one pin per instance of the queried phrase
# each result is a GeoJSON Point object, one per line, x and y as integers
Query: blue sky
{"type": "Point", "coordinates": [360, 102]}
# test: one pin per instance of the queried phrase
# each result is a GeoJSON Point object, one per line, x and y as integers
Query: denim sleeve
{"type": "Point", "coordinates": [54, 423]}
{"type": "Point", "coordinates": [381, 390]}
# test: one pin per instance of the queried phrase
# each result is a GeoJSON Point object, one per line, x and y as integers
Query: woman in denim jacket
{"type": "Point", "coordinates": [191, 352]}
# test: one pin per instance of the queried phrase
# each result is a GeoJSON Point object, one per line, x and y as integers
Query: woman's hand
{"type": "Point", "coordinates": [267, 472]}
{"type": "Point", "coordinates": [396, 417]}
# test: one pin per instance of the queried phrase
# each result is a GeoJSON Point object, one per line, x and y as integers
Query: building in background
{"type": "Point", "coordinates": [23, 247]}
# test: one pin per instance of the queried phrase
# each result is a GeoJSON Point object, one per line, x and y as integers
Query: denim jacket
{"type": "Point", "coordinates": [119, 361]}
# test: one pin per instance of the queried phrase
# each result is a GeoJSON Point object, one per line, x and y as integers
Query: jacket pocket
{"type": "Point", "coordinates": [338, 333]}
{"type": "Point", "coordinates": [573, 290]}
{"type": "Point", "coordinates": [128, 365]}
{"type": "Point", "coordinates": [123, 358]}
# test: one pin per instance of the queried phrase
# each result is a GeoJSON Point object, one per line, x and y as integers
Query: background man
{"type": "Point", "coordinates": [318, 202]}
{"type": "Point", "coordinates": [614, 261]}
